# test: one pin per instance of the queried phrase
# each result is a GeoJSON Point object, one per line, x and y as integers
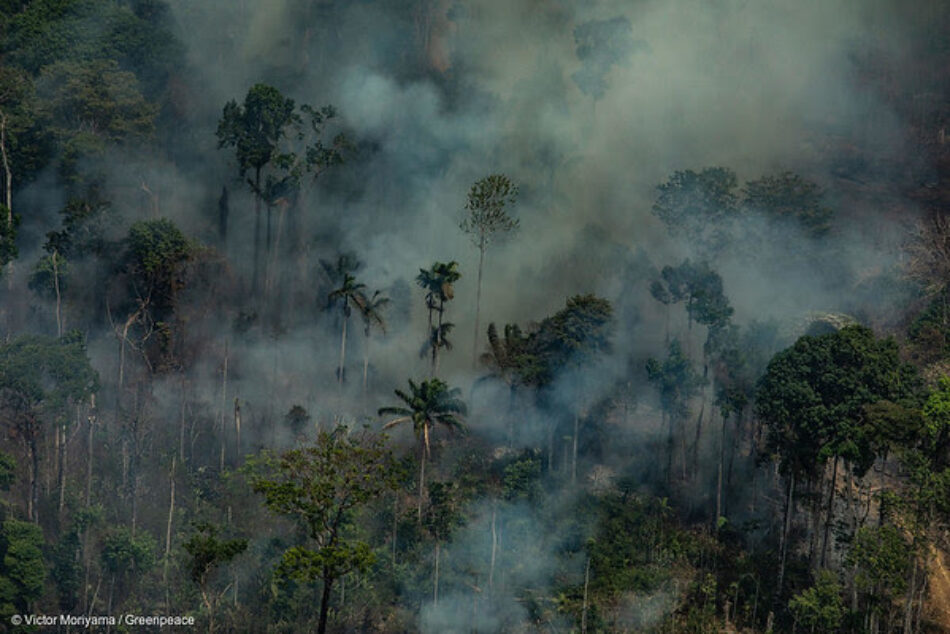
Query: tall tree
{"type": "Point", "coordinates": [813, 400]}
{"type": "Point", "coordinates": [426, 405]}
{"type": "Point", "coordinates": [322, 487]}
{"type": "Point", "coordinates": [487, 219]}
{"type": "Point", "coordinates": [350, 293]}
{"type": "Point", "coordinates": [437, 282]}
{"type": "Point", "coordinates": [41, 378]}
{"type": "Point", "coordinates": [255, 130]}
{"type": "Point", "coordinates": [371, 309]}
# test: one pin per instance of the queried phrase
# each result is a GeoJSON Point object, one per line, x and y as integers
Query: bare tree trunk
{"type": "Point", "coordinates": [237, 425]}
{"type": "Point", "coordinates": [790, 500]}
{"type": "Point", "coordinates": [909, 604]}
{"type": "Point", "coordinates": [435, 585]}
{"type": "Point", "coordinates": [722, 455]}
{"type": "Point", "coordinates": [422, 481]}
{"type": "Point", "coordinates": [478, 302]}
{"type": "Point", "coordinates": [91, 419]}
{"type": "Point", "coordinates": [831, 511]}
{"type": "Point", "coordinates": [257, 228]}
{"type": "Point", "coordinates": [574, 449]}
{"type": "Point", "coordinates": [59, 302]}
{"type": "Point", "coordinates": [168, 530]}
{"type": "Point", "coordinates": [224, 392]}
{"type": "Point", "coordinates": [395, 524]}
{"type": "Point", "coordinates": [324, 605]}
{"type": "Point", "coordinates": [366, 360]}
{"type": "Point", "coordinates": [61, 477]}
{"type": "Point", "coordinates": [342, 348]}
{"type": "Point", "coordinates": [494, 550]}
{"type": "Point", "coordinates": [33, 507]}
{"type": "Point", "coordinates": [584, 609]}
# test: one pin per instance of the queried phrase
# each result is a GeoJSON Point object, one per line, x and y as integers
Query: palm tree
{"type": "Point", "coordinates": [509, 361]}
{"type": "Point", "coordinates": [372, 311]}
{"type": "Point", "coordinates": [438, 338]}
{"type": "Point", "coordinates": [438, 282]}
{"type": "Point", "coordinates": [349, 292]}
{"type": "Point", "coordinates": [427, 404]}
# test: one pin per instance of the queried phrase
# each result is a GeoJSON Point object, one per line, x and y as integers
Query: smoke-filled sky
{"type": "Point", "coordinates": [755, 86]}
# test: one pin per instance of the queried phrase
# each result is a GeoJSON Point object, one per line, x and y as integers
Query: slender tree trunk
{"type": "Point", "coordinates": [365, 361]}
{"type": "Point", "coordinates": [422, 481]}
{"type": "Point", "coordinates": [257, 227]}
{"type": "Point", "coordinates": [237, 426]}
{"type": "Point", "coordinates": [584, 609]}
{"type": "Point", "coordinates": [61, 477]}
{"type": "Point", "coordinates": [324, 603]}
{"type": "Point", "coordinates": [787, 523]}
{"type": "Point", "coordinates": [478, 301]}
{"type": "Point", "coordinates": [7, 172]}
{"type": "Point", "coordinates": [91, 420]}
{"type": "Point", "coordinates": [909, 604]}
{"type": "Point", "coordinates": [699, 432]}
{"type": "Point", "coordinates": [395, 524]}
{"type": "Point", "coordinates": [831, 511]}
{"type": "Point", "coordinates": [494, 550]}
{"type": "Point", "coordinates": [224, 398]}
{"type": "Point", "coordinates": [33, 510]}
{"type": "Point", "coordinates": [168, 529]}
{"type": "Point", "coordinates": [574, 449]}
{"type": "Point", "coordinates": [59, 301]}
{"type": "Point", "coordinates": [722, 456]}
{"type": "Point", "coordinates": [435, 585]}
{"type": "Point", "coordinates": [342, 347]}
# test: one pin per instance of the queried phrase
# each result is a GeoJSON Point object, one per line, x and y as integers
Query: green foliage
{"type": "Point", "coordinates": [22, 569]}
{"type": "Point", "coordinates": [137, 34]}
{"type": "Point", "coordinates": [92, 103]}
{"type": "Point", "coordinates": [124, 553]}
{"type": "Point", "coordinates": [820, 607]}
{"type": "Point", "coordinates": [427, 404]}
{"type": "Point", "coordinates": [575, 336]}
{"type": "Point", "coordinates": [256, 127]}
{"type": "Point", "coordinates": [882, 558]}
{"type": "Point", "coordinates": [7, 471]}
{"type": "Point", "coordinates": [813, 397]}
{"type": "Point", "coordinates": [699, 287]}
{"type": "Point", "coordinates": [321, 487]}
{"type": "Point", "coordinates": [787, 199]}
{"type": "Point", "coordinates": [522, 478]}
{"type": "Point", "coordinates": [208, 552]}
{"type": "Point", "coordinates": [443, 514]}
{"type": "Point", "coordinates": [8, 234]}
{"type": "Point", "coordinates": [675, 380]}
{"type": "Point", "coordinates": [699, 207]}
{"type": "Point", "coordinates": [49, 272]}
{"type": "Point", "coordinates": [48, 371]}
{"type": "Point", "coordinates": [487, 207]}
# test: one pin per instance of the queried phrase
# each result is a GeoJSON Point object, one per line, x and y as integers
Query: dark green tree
{"type": "Point", "coordinates": [207, 552]}
{"type": "Point", "coordinates": [699, 207]}
{"type": "Point", "coordinates": [255, 130]}
{"type": "Point", "coordinates": [788, 200]}
{"type": "Point", "coordinates": [40, 379]}
{"type": "Point", "coordinates": [321, 487]}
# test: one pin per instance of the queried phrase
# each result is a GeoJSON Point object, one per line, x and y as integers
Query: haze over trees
{"type": "Point", "coordinates": [709, 383]}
